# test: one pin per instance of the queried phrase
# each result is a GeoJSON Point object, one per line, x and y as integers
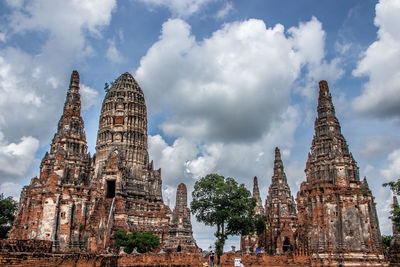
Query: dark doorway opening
{"type": "Point", "coordinates": [179, 249]}
{"type": "Point", "coordinates": [286, 245]}
{"type": "Point", "coordinates": [110, 189]}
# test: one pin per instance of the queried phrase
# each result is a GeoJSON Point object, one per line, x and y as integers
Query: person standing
{"type": "Point", "coordinates": [211, 259]}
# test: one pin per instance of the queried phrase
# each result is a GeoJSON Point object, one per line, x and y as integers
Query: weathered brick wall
{"type": "Point", "coordinates": [60, 260]}
{"type": "Point", "coordinates": [262, 260]}
{"type": "Point", "coordinates": [38, 246]}
{"type": "Point", "coordinates": [23, 259]}
{"type": "Point", "coordinates": [172, 259]}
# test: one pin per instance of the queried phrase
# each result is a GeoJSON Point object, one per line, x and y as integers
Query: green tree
{"type": "Point", "coordinates": [143, 242]}
{"type": "Point", "coordinates": [386, 239]}
{"type": "Point", "coordinates": [224, 203]}
{"type": "Point", "coordinates": [395, 187]}
{"type": "Point", "coordinates": [8, 206]}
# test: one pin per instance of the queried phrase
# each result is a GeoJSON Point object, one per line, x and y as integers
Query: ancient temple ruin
{"type": "Point", "coordinates": [280, 211]}
{"type": "Point", "coordinates": [336, 223]}
{"type": "Point", "coordinates": [253, 241]}
{"type": "Point", "coordinates": [337, 219]}
{"type": "Point", "coordinates": [180, 236]}
{"type": "Point", "coordinates": [79, 201]}
{"type": "Point", "coordinates": [56, 205]}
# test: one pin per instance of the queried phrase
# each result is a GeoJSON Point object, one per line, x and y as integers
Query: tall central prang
{"type": "Point", "coordinates": [337, 214]}
{"type": "Point", "coordinates": [123, 124]}
{"type": "Point", "coordinates": [129, 188]}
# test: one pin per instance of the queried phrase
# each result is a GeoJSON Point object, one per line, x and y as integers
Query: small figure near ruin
{"type": "Point", "coordinates": [211, 258]}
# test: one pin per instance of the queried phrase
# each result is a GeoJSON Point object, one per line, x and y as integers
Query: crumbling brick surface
{"type": "Point", "coordinates": [94, 260]}
{"type": "Point", "coordinates": [337, 213]}
{"type": "Point", "coordinates": [262, 260]}
{"type": "Point", "coordinates": [180, 237]}
{"type": "Point", "coordinates": [281, 217]}
{"type": "Point", "coordinates": [79, 201]}
{"type": "Point", "coordinates": [24, 259]}
{"type": "Point", "coordinates": [30, 245]}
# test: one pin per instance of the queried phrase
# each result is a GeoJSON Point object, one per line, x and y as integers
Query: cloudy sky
{"type": "Point", "coordinates": [225, 81]}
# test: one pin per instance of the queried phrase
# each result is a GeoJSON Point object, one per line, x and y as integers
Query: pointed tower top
{"type": "Point", "coordinates": [126, 82]}
{"type": "Point", "coordinates": [325, 106]}
{"type": "Point", "coordinates": [256, 194]}
{"type": "Point", "coordinates": [181, 196]}
{"type": "Point", "coordinates": [279, 192]}
{"type": "Point", "coordinates": [74, 82]}
{"type": "Point", "coordinates": [329, 146]}
{"type": "Point", "coordinates": [277, 153]}
{"type": "Point", "coordinates": [70, 138]}
{"type": "Point", "coordinates": [72, 106]}
{"type": "Point", "coordinates": [255, 183]}
{"type": "Point", "coordinates": [323, 85]}
{"type": "Point", "coordinates": [123, 123]}
{"type": "Point", "coordinates": [71, 122]}
{"type": "Point", "coordinates": [279, 173]}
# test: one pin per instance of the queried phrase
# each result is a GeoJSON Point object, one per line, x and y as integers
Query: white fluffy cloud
{"type": "Point", "coordinates": [186, 161]}
{"type": "Point", "coordinates": [171, 159]}
{"type": "Point", "coordinates": [392, 172]}
{"type": "Point", "coordinates": [179, 8]}
{"type": "Point", "coordinates": [381, 65]}
{"type": "Point", "coordinates": [89, 96]}
{"type": "Point", "coordinates": [16, 158]}
{"type": "Point", "coordinates": [375, 146]}
{"type": "Point", "coordinates": [33, 84]}
{"type": "Point", "coordinates": [231, 86]}
{"type": "Point", "coordinates": [309, 42]}
{"type": "Point", "coordinates": [228, 8]}
{"type": "Point", "coordinates": [10, 189]}
{"type": "Point", "coordinates": [113, 53]}
{"type": "Point", "coordinates": [34, 76]}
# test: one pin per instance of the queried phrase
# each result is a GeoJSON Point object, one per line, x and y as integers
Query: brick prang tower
{"type": "Point", "coordinates": [54, 205]}
{"type": "Point", "coordinates": [180, 233]}
{"type": "Point", "coordinates": [129, 194]}
{"type": "Point", "coordinates": [338, 223]}
{"type": "Point", "coordinates": [250, 243]}
{"type": "Point", "coordinates": [280, 211]}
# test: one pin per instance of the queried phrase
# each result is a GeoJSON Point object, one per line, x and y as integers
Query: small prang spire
{"type": "Point", "coordinates": [72, 106]}
{"type": "Point", "coordinates": [181, 196]}
{"type": "Point", "coordinates": [256, 194]}
{"type": "Point", "coordinates": [277, 153]}
{"type": "Point", "coordinates": [278, 167]}
{"type": "Point", "coordinates": [325, 106]}
{"type": "Point", "coordinates": [74, 82]}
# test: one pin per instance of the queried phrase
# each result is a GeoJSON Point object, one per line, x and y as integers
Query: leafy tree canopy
{"type": "Point", "coordinates": [143, 242]}
{"type": "Point", "coordinates": [395, 187]}
{"type": "Point", "coordinates": [8, 206]}
{"type": "Point", "coordinates": [386, 239]}
{"type": "Point", "coordinates": [222, 202]}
